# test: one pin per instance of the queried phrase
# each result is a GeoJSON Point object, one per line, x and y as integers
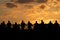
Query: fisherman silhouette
{"type": "Point", "coordinates": [56, 26]}
{"type": "Point", "coordinates": [36, 26]}
{"type": "Point", "coordinates": [29, 25]}
{"type": "Point", "coordinates": [16, 27]}
{"type": "Point", "coordinates": [9, 25]}
{"type": "Point", "coordinates": [23, 25]}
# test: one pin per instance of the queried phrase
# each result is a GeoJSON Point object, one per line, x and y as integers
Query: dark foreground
{"type": "Point", "coordinates": [40, 31]}
{"type": "Point", "coordinates": [29, 35]}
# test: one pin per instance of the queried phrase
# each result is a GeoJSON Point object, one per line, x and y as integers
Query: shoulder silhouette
{"type": "Point", "coordinates": [42, 25]}
{"type": "Point", "coordinates": [16, 27]}
{"type": "Point", "coordinates": [29, 25]}
{"type": "Point", "coordinates": [2, 26]}
{"type": "Point", "coordinates": [56, 23]}
{"type": "Point", "coordinates": [42, 22]}
{"type": "Point", "coordinates": [36, 25]}
{"type": "Point", "coordinates": [50, 26]}
{"type": "Point", "coordinates": [23, 25]}
{"type": "Point", "coordinates": [9, 25]}
{"type": "Point", "coordinates": [56, 26]}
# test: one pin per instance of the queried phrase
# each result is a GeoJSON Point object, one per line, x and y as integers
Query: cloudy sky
{"type": "Point", "coordinates": [29, 10]}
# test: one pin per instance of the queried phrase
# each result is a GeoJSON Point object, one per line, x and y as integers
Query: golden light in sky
{"type": "Point", "coordinates": [32, 11]}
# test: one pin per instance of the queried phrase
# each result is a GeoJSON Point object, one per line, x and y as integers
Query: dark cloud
{"type": "Point", "coordinates": [10, 5]}
{"type": "Point", "coordinates": [42, 1]}
{"type": "Point", "coordinates": [24, 1]}
{"type": "Point", "coordinates": [42, 6]}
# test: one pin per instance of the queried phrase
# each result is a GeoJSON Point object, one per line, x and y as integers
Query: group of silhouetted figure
{"type": "Point", "coordinates": [42, 27]}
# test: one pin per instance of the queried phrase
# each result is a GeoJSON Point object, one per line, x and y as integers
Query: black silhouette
{"type": "Point", "coordinates": [36, 33]}
{"type": "Point", "coordinates": [16, 27]}
{"type": "Point", "coordinates": [2, 26]}
{"type": "Point", "coordinates": [42, 25]}
{"type": "Point", "coordinates": [56, 26]}
{"type": "Point", "coordinates": [50, 27]}
{"type": "Point", "coordinates": [9, 25]}
{"type": "Point", "coordinates": [23, 25]}
{"type": "Point", "coordinates": [29, 25]}
{"type": "Point", "coordinates": [36, 26]}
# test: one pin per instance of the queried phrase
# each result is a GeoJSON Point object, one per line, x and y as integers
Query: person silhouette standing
{"type": "Point", "coordinates": [50, 26]}
{"type": "Point", "coordinates": [9, 26]}
{"type": "Point", "coordinates": [23, 25]}
{"type": "Point", "coordinates": [16, 27]}
{"type": "Point", "coordinates": [42, 25]}
{"type": "Point", "coordinates": [56, 26]}
{"type": "Point", "coordinates": [3, 26]}
{"type": "Point", "coordinates": [36, 26]}
{"type": "Point", "coordinates": [29, 25]}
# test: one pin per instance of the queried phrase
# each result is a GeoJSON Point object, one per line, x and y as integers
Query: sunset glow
{"type": "Point", "coordinates": [30, 11]}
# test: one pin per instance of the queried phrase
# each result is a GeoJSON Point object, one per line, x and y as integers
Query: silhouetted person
{"type": "Point", "coordinates": [16, 27]}
{"type": "Point", "coordinates": [36, 26]}
{"type": "Point", "coordinates": [22, 25]}
{"type": "Point", "coordinates": [29, 25]}
{"type": "Point", "coordinates": [9, 25]}
{"type": "Point", "coordinates": [50, 26]}
{"type": "Point", "coordinates": [3, 26]}
{"type": "Point", "coordinates": [42, 25]}
{"type": "Point", "coordinates": [56, 26]}
{"type": "Point", "coordinates": [42, 22]}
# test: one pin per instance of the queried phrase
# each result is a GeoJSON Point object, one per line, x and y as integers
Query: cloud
{"type": "Point", "coordinates": [42, 6]}
{"type": "Point", "coordinates": [41, 1]}
{"type": "Point", "coordinates": [10, 5]}
{"type": "Point", "coordinates": [24, 1]}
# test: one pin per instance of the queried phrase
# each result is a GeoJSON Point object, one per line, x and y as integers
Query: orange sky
{"type": "Point", "coordinates": [32, 11]}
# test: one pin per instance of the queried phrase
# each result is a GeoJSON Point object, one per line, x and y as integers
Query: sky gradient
{"type": "Point", "coordinates": [29, 10]}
